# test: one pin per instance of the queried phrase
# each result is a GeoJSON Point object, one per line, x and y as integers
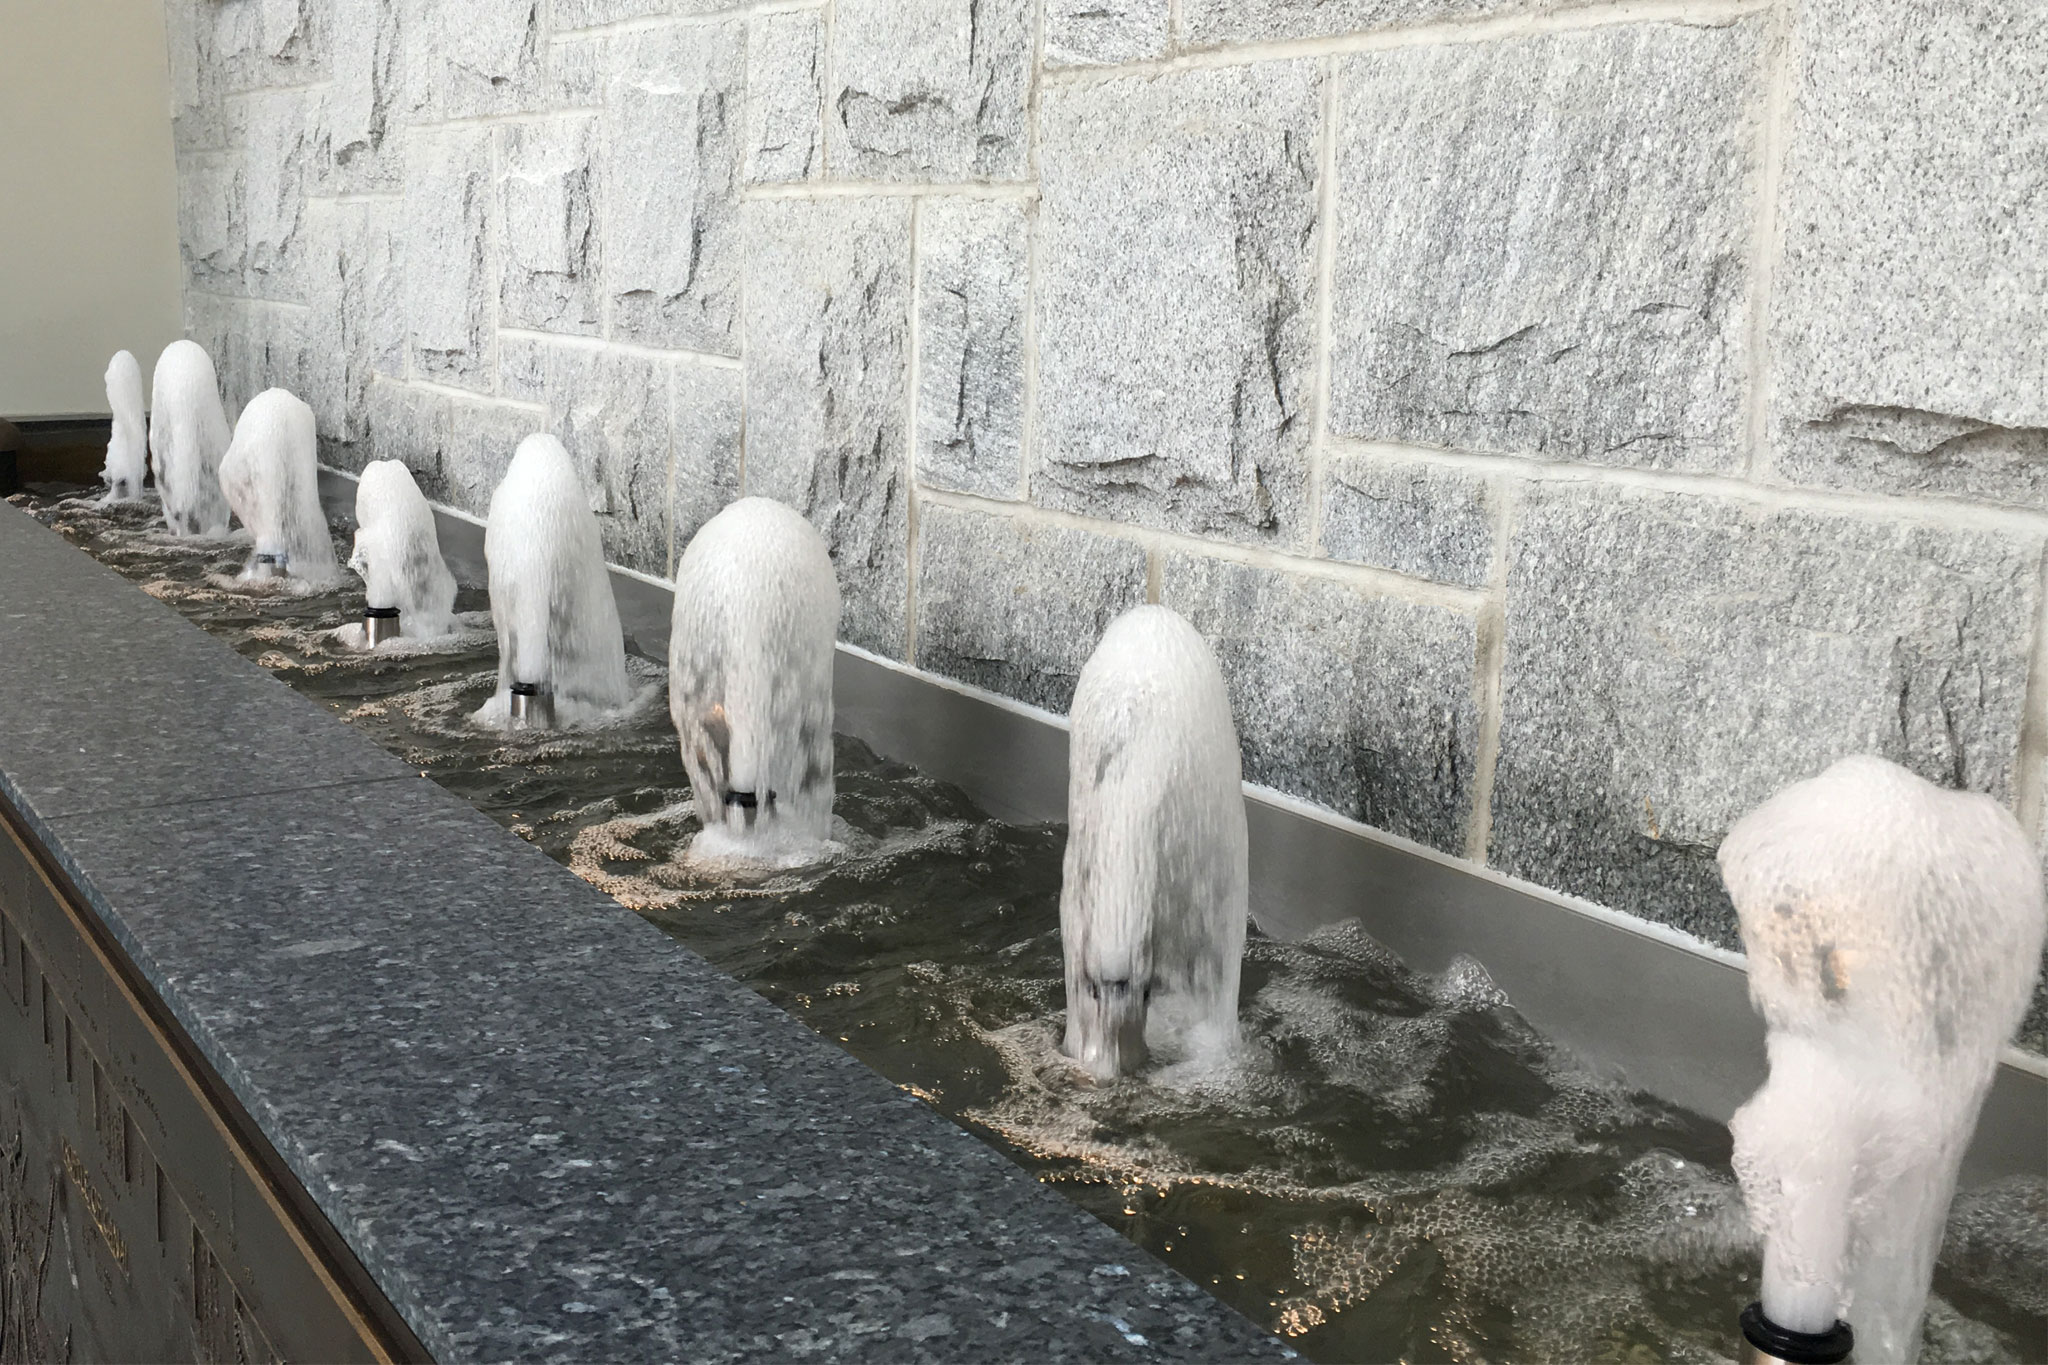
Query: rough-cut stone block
{"type": "Point", "coordinates": [1672, 660]}
{"type": "Point", "coordinates": [785, 99]}
{"type": "Point", "coordinates": [548, 260]}
{"type": "Point", "coordinates": [1431, 520]}
{"type": "Point", "coordinates": [200, 119]}
{"type": "Point", "coordinates": [611, 411]}
{"type": "Point", "coordinates": [828, 312]}
{"type": "Point", "coordinates": [210, 222]}
{"type": "Point", "coordinates": [934, 91]}
{"type": "Point", "coordinates": [707, 404]}
{"type": "Point", "coordinates": [576, 73]}
{"type": "Point", "coordinates": [254, 43]}
{"type": "Point", "coordinates": [1213, 22]}
{"type": "Point", "coordinates": [971, 277]}
{"type": "Point", "coordinates": [1357, 702]}
{"type": "Point", "coordinates": [1544, 244]}
{"type": "Point", "coordinates": [448, 281]}
{"type": "Point", "coordinates": [672, 152]}
{"type": "Point", "coordinates": [1176, 298]}
{"type": "Point", "coordinates": [359, 114]}
{"type": "Point", "coordinates": [481, 437]}
{"type": "Point", "coordinates": [1017, 607]}
{"type": "Point", "coordinates": [465, 58]}
{"type": "Point", "coordinates": [573, 14]}
{"type": "Point", "coordinates": [356, 275]}
{"type": "Point", "coordinates": [1102, 32]}
{"type": "Point", "coordinates": [1910, 322]}
{"type": "Point", "coordinates": [274, 195]}
{"type": "Point", "coordinates": [410, 425]}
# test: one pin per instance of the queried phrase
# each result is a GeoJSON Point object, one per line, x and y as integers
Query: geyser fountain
{"type": "Point", "coordinates": [1153, 897]}
{"type": "Point", "coordinates": [407, 589]}
{"type": "Point", "coordinates": [1893, 930]}
{"type": "Point", "coordinates": [128, 444]}
{"type": "Point", "coordinates": [561, 653]}
{"type": "Point", "coordinates": [271, 476]}
{"type": "Point", "coordinates": [750, 682]}
{"type": "Point", "coordinates": [188, 434]}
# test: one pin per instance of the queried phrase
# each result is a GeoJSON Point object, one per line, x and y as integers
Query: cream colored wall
{"type": "Point", "coordinates": [88, 199]}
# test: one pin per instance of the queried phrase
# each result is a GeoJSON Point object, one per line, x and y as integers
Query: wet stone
{"type": "Point", "coordinates": [934, 91]}
{"type": "Point", "coordinates": [970, 361]}
{"type": "Point", "coordinates": [1017, 607]}
{"type": "Point", "coordinates": [1672, 660]}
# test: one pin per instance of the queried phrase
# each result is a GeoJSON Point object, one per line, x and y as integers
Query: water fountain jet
{"type": "Point", "coordinates": [1153, 895]}
{"type": "Point", "coordinates": [551, 597]}
{"type": "Point", "coordinates": [1893, 930]}
{"type": "Point", "coordinates": [407, 589]}
{"type": "Point", "coordinates": [127, 444]}
{"type": "Point", "coordinates": [750, 682]}
{"type": "Point", "coordinates": [188, 435]}
{"type": "Point", "coordinates": [271, 476]}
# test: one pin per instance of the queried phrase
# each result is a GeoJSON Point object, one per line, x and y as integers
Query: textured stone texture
{"type": "Point", "coordinates": [1361, 703]}
{"type": "Point", "coordinates": [1671, 661]}
{"type": "Point", "coordinates": [465, 58]}
{"type": "Point", "coordinates": [1015, 607]}
{"type": "Point", "coordinates": [707, 403]}
{"type": "Point", "coordinates": [355, 278]}
{"type": "Point", "coordinates": [1544, 244]}
{"type": "Point", "coordinates": [971, 277]}
{"type": "Point", "coordinates": [548, 267]}
{"type": "Point", "coordinates": [256, 43]}
{"type": "Point", "coordinates": [1431, 520]}
{"type": "Point", "coordinates": [480, 437]}
{"type": "Point", "coordinates": [1212, 22]}
{"type": "Point", "coordinates": [1910, 317]}
{"type": "Point", "coordinates": [933, 91]}
{"type": "Point", "coordinates": [672, 154]}
{"type": "Point", "coordinates": [1099, 32]}
{"type": "Point", "coordinates": [210, 222]}
{"type": "Point", "coordinates": [448, 280]}
{"type": "Point", "coordinates": [785, 97]}
{"type": "Point", "coordinates": [572, 14]}
{"type": "Point", "coordinates": [410, 424]}
{"type": "Point", "coordinates": [1176, 307]}
{"type": "Point", "coordinates": [359, 115]}
{"type": "Point", "coordinates": [274, 155]}
{"type": "Point", "coordinates": [828, 315]}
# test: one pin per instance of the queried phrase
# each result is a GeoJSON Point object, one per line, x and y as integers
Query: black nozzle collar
{"type": "Point", "coordinates": [1796, 1348]}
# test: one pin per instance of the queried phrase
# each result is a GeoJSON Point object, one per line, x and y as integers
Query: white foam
{"type": "Point", "coordinates": [398, 553]}
{"type": "Point", "coordinates": [188, 434]}
{"type": "Point", "coordinates": [271, 476]}
{"type": "Point", "coordinates": [127, 445]}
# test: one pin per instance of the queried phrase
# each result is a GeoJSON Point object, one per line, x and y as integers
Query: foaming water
{"type": "Point", "coordinates": [1394, 1165]}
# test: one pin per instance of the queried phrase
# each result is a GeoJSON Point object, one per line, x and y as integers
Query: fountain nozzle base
{"type": "Point", "coordinates": [267, 566]}
{"type": "Point", "coordinates": [530, 707]}
{"type": "Point", "coordinates": [380, 624]}
{"type": "Point", "coordinates": [1766, 1343]}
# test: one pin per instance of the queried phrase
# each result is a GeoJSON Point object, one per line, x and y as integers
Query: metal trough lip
{"type": "Point", "coordinates": [1657, 1007]}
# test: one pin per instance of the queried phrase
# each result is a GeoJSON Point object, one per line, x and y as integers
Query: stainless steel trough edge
{"type": "Point", "coordinates": [1665, 1011]}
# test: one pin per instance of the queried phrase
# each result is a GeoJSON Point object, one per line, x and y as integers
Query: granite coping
{"type": "Point", "coordinates": [548, 1130]}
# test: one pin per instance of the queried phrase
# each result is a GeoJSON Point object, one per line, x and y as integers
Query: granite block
{"type": "Point", "coordinates": [972, 275]}
{"type": "Point", "coordinates": [274, 156]}
{"type": "Point", "coordinates": [574, 14]}
{"type": "Point", "coordinates": [1434, 521]}
{"type": "Point", "coordinates": [257, 43]}
{"type": "Point", "coordinates": [548, 266]}
{"type": "Point", "coordinates": [448, 276]}
{"type": "Point", "coordinates": [785, 96]}
{"type": "Point", "coordinates": [1176, 299]}
{"type": "Point", "coordinates": [934, 91]}
{"type": "Point", "coordinates": [828, 321]}
{"type": "Point", "coordinates": [1015, 606]}
{"type": "Point", "coordinates": [1545, 242]}
{"type": "Point", "coordinates": [480, 439]}
{"type": "Point", "coordinates": [1361, 703]}
{"type": "Point", "coordinates": [1909, 330]}
{"type": "Point", "coordinates": [672, 138]}
{"type": "Point", "coordinates": [1216, 22]}
{"type": "Point", "coordinates": [409, 424]}
{"type": "Point", "coordinates": [210, 232]}
{"type": "Point", "coordinates": [707, 404]}
{"type": "Point", "coordinates": [469, 58]}
{"type": "Point", "coordinates": [1104, 32]}
{"type": "Point", "coordinates": [355, 276]}
{"type": "Point", "coordinates": [1672, 660]}
{"type": "Point", "coordinates": [96, 713]}
{"type": "Point", "coordinates": [362, 109]}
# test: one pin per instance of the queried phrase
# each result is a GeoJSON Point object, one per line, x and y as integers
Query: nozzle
{"type": "Point", "coordinates": [751, 802]}
{"type": "Point", "coordinates": [380, 624]}
{"type": "Point", "coordinates": [267, 566]}
{"type": "Point", "coordinates": [1766, 1343]}
{"type": "Point", "coordinates": [1106, 1027]}
{"type": "Point", "coordinates": [531, 707]}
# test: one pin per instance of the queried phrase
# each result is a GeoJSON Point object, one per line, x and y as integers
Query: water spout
{"type": "Point", "coordinates": [127, 446]}
{"type": "Point", "coordinates": [188, 435]}
{"type": "Point", "coordinates": [407, 586]}
{"type": "Point", "coordinates": [271, 476]}
{"type": "Point", "coordinates": [1153, 899]}
{"type": "Point", "coordinates": [750, 682]}
{"type": "Point", "coordinates": [1893, 930]}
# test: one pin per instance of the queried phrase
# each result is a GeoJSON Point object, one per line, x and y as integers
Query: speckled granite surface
{"type": "Point", "coordinates": [549, 1130]}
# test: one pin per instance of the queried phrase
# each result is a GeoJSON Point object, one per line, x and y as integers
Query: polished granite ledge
{"type": "Point", "coordinates": [546, 1128]}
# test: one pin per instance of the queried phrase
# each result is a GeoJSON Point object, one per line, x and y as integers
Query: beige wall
{"type": "Point", "coordinates": [88, 199]}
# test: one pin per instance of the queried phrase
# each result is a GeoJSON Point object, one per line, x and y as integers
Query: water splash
{"type": "Point", "coordinates": [188, 434]}
{"type": "Point", "coordinates": [551, 596]}
{"type": "Point", "coordinates": [1893, 930]}
{"type": "Point", "coordinates": [750, 682]}
{"type": "Point", "coordinates": [398, 553]}
{"type": "Point", "coordinates": [1152, 912]}
{"type": "Point", "coordinates": [271, 476]}
{"type": "Point", "coordinates": [128, 445]}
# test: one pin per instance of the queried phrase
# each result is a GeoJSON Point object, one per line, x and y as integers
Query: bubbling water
{"type": "Point", "coordinates": [551, 596]}
{"type": "Point", "coordinates": [750, 682]}
{"type": "Point", "coordinates": [398, 552]}
{"type": "Point", "coordinates": [1153, 901]}
{"type": "Point", "coordinates": [1892, 930]}
{"type": "Point", "coordinates": [188, 434]}
{"type": "Point", "coordinates": [271, 476]}
{"type": "Point", "coordinates": [127, 446]}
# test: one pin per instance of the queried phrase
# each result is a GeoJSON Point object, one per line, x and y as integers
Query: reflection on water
{"type": "Point", "coordinates": [1394, 1167]}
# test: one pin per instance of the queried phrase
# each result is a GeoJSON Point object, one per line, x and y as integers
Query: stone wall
{"type": "Point", "coordinates": [1569, 421]}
